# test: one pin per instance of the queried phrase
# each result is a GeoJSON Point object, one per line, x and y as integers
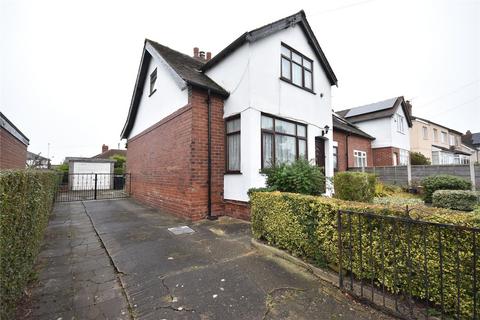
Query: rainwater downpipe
{"type": "Point", "coordinates": [209, 143]}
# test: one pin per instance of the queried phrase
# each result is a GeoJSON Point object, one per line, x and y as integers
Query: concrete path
{"type": "Point", "coordinates": [116, 259]}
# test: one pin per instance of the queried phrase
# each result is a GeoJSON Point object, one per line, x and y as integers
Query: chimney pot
{"type": "Point", "coordinates": [202, 54]}
{"type": "Point", "coordinates": [209, 55]}
{"type": "Point", "coordinates": [104, 148]}
{"type": "Point", "coordinates": [195, 52]}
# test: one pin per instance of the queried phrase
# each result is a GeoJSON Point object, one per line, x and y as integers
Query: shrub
{"type": "Point", "coordinates": [455, 199]}
{"type": "Point", "coordinates": [26, 199]}
{"type": "Point", "coordinates": [417, 158]}
{"type": "Point", "coordinates": [299, 177]}
{"type": "Point", "coordinates": [261, 189]}
{"type": "Point", "coordinates": [442, 182]}
{"type": "Point", "coordinates": [119, 166]}
{"type": "Point", "coordinates": [355, 186]}
{"type": "Point", "coordinates": [307, 227]}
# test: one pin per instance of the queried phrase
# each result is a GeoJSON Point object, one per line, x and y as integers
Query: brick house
{"type": "Point", "coordinates": [352, 147]}
{"type": "Point", "coordinates": [200, 129]}
{"type": "Point", "coordinates": [13, 145]}
{"type": "Point", "coordinates": [389, 122]}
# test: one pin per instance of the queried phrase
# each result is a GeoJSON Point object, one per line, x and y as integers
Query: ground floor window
{"type": "Point", "coordinates": [232, 129]}
{"type": "Point", "coordinates": [335, 158]}
{"type": "Point", "coordinates": [360, 158]}
{"type": "Point", "coordinates": [282, 141]}
{"type": "Point", "coordinates": [441, 157]}
{"type": "Point", "coordinates": [404, 157]}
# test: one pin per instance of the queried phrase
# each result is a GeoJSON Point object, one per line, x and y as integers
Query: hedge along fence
{"type": "Point", "coordinates": [26, 199]}
{"type": "Point", "coordinates": [307, 227]}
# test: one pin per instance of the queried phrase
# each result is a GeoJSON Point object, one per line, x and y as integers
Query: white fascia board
{"type": "Point", "coordinates": [182, 84]}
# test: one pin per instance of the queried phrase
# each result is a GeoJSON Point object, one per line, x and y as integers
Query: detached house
{"type": "Point", "coordinates": [200, 129]}
{"type": "Point", "coordinates": [389, 122]}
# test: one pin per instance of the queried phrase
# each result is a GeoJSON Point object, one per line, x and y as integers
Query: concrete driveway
{"type": "Point", "coordinates": [116, 259]}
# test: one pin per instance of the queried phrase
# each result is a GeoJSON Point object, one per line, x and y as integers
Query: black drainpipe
{"type": "Point", "coordinates": [346, 147]}
{"type": "Point", "coordinates": [209, 181]}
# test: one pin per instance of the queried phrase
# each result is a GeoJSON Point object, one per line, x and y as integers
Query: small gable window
{"type": "Point", "coordinates": [153, 79]}
{"type": "Point", "coordinates": [296, 68]}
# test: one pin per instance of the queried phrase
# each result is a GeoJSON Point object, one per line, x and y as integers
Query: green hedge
{"type": "Point", "coordinates": [355, 186]}
{"type": "Point", "coordinates": [455, 199]}
{"type": "Point", "coordinates": [443, 182]}
{"type": "Point", "coordinates": [307, 227]}
{"type": "Point", "coordinates": [26, 199]}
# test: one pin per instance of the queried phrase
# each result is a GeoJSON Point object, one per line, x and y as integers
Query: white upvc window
{"type": "Point", "coordinates": [360, 158]}
{"type": "Point", "coordinates": [452, 139]}
{"type": "Point", "coordinates": [444, 137]}
{"type": "Point", "coordinates": [425, 132]}
{"type": "Point", "coordinates": [400, 123]}
{"type": "Point", "coordinates": [404, 157]}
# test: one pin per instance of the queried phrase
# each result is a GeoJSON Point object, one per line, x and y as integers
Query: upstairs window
{"type": "Point", "coordinates": [153, 79]}
{"type": "Point", "coordinates": [444, 137]}
{"type": "Point", "coordinates": [400, 123]}
{"type": "Point", "coordinates": [233, 144]}
{"type": "Point", "coordinates": [435, 135]}
{"type": "Point", "coordinates": [425, 133]}
{"type": "Point", "coordinates": [452, 140]}
{"type": "Point", "coordinates": [296, 68]}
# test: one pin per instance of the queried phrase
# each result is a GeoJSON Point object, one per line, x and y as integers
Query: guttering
{"type": "Point", "coordinates": [209, 179]}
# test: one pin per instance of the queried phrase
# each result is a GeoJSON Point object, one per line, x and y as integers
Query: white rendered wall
{"type": "Point", "coordinates": [381, 129]}
{"type": "Point", "coordinates": [400, 140]}
{"type": "Point", "coordinates": [252, 76]}
{"type": "Point", "coordinates": [167, 99]}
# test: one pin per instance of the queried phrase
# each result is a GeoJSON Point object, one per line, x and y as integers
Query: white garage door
{"type": "Point", "coordinates": [84, 176]}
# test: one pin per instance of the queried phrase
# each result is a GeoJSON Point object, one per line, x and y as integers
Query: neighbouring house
{"type": "Point", "coordinates": [352, 147]}
{"type": "Point", "coordinates": [200, 129]}
{"type": "Point", "coordinates": [13, 145]}
{"type": "Point", "coordinates": [389, 122]}
{"type": "Point", "coordinates": [438, 143]}
{"type": "Point", "coordinates": [37, 161]}
{"type": "Point", "coordinates": [109, 153]}
{"type": "Point", "coordinates": [472, 141]}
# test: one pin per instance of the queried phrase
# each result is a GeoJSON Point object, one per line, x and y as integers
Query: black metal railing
{"type": "Point", "coordinates": [414, 269]}
{"type": "Point", "coordinates": [92, 186]}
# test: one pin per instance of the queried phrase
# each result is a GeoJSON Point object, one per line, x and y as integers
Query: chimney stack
{"type": "Point", "coordinates": [202, 55]}
{"type": "Point", "coordinates": [409, 106]}
{"type": "Point", "coordinates": [104, 148]}
{"type": "Point", "coordinates": [195, 52]}
{"type": "Point", "coordinates": [209, 55]}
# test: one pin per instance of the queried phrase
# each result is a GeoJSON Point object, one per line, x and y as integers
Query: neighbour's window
{"type": "Point", "coordinates": [435, 135]}
{"type": "Point", "coordinates": [153, 79]}
{"type": "Point", "coordinates": [452, 140]}
{"type": "Point", "coordinates": [425, 133]}
{"type": "Point", "coordinates": [233, 144]}
{"type": "Point", "coordinates": [282, 141]}
{"type": "Point", "coordinates": [444, 137]}
{"type": "Point", "coordinates": [335, 158]}
{"type": "Point", "coordinates": [400, 124]}
{"type": "Point", "coordinates": [435, 157]}
{"type": "Point", "coordinates": [403, 157]}
{"type": "Point", "coordinates": [296, 68]}
{"type": "Point", "coordinates": [360, 158]}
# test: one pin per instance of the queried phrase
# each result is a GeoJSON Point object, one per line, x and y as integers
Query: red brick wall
{"type": "Point", "coordinates": [384, 156]}
{"type": "Point", "coordinates": [237, 209]}
{"type": "Point", "coordinates": [355, 142]}
{"type": "Point", "coordinates": [13, 153]}
{"type": "Point", "coordinates": [168, 161]}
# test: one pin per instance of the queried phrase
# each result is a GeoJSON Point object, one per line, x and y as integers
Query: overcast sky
{"type": "Point", "coordinates": [67, 68]}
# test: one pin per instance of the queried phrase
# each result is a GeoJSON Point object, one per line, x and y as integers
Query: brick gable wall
{"type": "Point", "coordinates": [13, 153]}
{"type": "Point", "coordinates": [168, 162]}
{"type": "Point", "coordinates": [355, 142]}
{"type": "Point", "coordinates": [384, 156]}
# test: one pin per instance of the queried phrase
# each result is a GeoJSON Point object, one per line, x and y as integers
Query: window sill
{"type": "Point", "coordinates": [296, 85]}
{"type": "Point", "coordinates": [151, 93]}
{"type": "Point", "coordinates": [233, 172]}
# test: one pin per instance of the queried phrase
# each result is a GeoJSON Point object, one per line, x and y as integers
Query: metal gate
{"type": "Point", "coordinates": [92, 186]}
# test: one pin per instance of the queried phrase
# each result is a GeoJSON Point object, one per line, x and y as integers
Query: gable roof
{"type": "Point", "coordinates": [377, 110]}
{"type": "Point", "coordinates": [431, 122]}
{"type": "Point", "coordinates": [340, 123]}
{"type": "Point", "coordinates": [185, 69]}
{"type": "Point", "coordinates": [14, 131]}
{"type": "Point", "coordinates": [109, 153]}
{"type": "Point", "coordinates": [476, 138]}
{"type": "Point", "coordinates": [262, 32]}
